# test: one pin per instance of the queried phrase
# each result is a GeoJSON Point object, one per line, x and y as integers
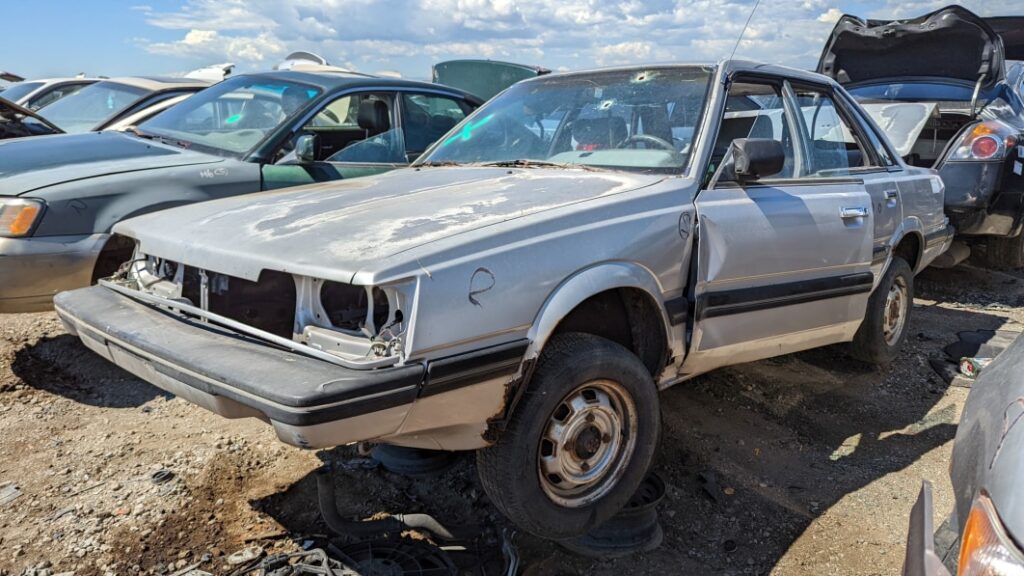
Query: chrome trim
{"type": "Point", "coordinates": [239, 327]}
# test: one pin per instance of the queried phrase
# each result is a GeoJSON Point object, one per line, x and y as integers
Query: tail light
{"type": "Point", "coordinates": [989, 140]}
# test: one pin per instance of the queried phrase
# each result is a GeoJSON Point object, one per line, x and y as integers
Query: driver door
{"type": "Point", "coordinates": [356, 135]}
{"type": "Point", "coordinates": [783, 262]}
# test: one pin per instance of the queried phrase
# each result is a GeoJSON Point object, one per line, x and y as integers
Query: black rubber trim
{"type": "Point", "coordinates": [938, 236]}
{"type": "Point", "coordinates": [678, 310]}
{"type": "Point", "coordinates": [756, 298]}
{"type": "Point", "coordinates": [780, 182]}
{"type": "Point", "coordinates": [879, 254]}
{"type": "Point", "coordinates": [453, 372]}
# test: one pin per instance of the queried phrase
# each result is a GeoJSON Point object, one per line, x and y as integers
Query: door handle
{"type": "Point", "coordinates": [856, 212]}
{"type": "Point", "coordinates": [891, 194]}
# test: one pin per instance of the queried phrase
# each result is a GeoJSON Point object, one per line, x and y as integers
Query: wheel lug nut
{"type": "Point", "coordinates": [585, 466]}
{"type": "Point", "coordinates": [590, 417]}
{"type": "Point", "coordinates": [606, 438]}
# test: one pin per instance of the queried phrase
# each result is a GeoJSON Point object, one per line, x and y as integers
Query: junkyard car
{"type": "Point", "coordinates": [60, 195]}
{"type": "Point", "coordinates": [948, 91]}
{"type": "Point", "coordinates": [579, 242]}
{"type": "Point", "coordinates": [987, 471]}
{"type": "Point", "coordinates": [16, 121]}
{"type": "Point", "coordinates": [34, 94]}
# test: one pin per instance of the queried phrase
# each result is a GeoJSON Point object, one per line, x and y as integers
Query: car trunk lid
{"type": "Point", "coordinates": [951, 43]}
{"type": "Point", "coordinates": [483, 78]}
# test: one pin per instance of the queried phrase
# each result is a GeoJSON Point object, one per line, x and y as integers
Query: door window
{"type": "Point", "coordinates": [358, 128]}
{"type": "Point", "coordinates": [752, 110]}
{"type": "Point", "coordinates": [833, 147]}
{"type": "Point", "coordinates": [427, 117]}
{"type": "Point", "coordinates": [54, 95]}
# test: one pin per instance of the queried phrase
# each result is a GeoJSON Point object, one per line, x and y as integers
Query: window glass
{"type": "Point", "coordinates": [16, 92]}
{"type": "Point", "coordinates": [753, 111]}
{"type": "Point", "coordinates": [91, 106]}
{"type": "Point", "coordinates": [52, 96]}
{"type": "Point", "coordinates": [833, 147]}
{"type": "Point", "coordinates": [427, 117]}
{"type": "Point", "coordinates": [356, 128]}
{"type": "Point", "coordinates": [636, 120]}
{"type": "Point", "coordinates": [232, 117]}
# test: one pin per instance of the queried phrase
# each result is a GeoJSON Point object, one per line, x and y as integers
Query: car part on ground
{"type": "Point", "coordinates": [413, 462]}
{"type": "Point", "coordinates": [988, 515]}
{"type": "Point", "coordinates": [527, 287]}
{"type": "Point", "coordinates": [633, 529]}
{"type": "Point", "coordinates": [943, 89]}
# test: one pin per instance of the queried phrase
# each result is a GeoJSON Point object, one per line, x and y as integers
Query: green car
{"type": "Point", "coordinates": [60, 195]}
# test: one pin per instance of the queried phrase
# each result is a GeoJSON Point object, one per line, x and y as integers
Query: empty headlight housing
{"type": "Point", "coordinates": [18, 216]}
{"type": "Point", "coordinates": [986, 549]}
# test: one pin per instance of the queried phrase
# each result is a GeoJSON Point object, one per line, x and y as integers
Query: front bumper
{"type": "Point", "coordinates": [311, 403]}
{"type": "Point", "coordinates": [32, 270]}
{"type": "Point", "coordinates": [921, 558]}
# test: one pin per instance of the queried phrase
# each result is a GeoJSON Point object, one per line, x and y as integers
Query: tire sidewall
{"type": "Point", "coordinates": [552, 381]}
{"type": "Point", "coordinates": [869, 343]}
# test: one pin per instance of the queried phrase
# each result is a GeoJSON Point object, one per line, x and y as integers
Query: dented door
{"type": "Point", "coordinates": [784, 262]}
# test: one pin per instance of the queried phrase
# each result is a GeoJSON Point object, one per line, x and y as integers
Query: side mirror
{"type": "Point", "coordinates": [305, 148]}
{"type": "Point", "coordinates": [755, 158]}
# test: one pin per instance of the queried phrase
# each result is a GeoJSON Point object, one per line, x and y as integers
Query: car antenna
{"type": "Point", "coordinates": [742, 32]}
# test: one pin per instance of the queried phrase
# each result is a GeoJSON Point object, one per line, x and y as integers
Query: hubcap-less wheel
{"type": "Point", "coordinates": [894, 317]}
{"type": "Point", "coordinates": [587, 443]}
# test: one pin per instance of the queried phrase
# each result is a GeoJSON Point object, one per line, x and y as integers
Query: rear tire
{"type": "Point", "coordinates": [887, 319]}
{"type": "Point", "coordinates": [580, 441]}
{"type": "Point", "coordinates": [1004, 253]}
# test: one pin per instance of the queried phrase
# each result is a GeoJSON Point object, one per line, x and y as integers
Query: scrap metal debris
{"type": "Point", "coordinates": [978, 347]}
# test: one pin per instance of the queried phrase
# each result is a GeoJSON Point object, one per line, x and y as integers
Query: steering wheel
{"type": "Point", "coordinates": [647, 139]}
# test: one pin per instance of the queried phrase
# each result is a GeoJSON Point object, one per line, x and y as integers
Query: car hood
{"type": "Point", "coordinates": [952, 43]}
{"type": "Point", "coordinates": [28, 164]}
{"type": "Point", "coordinates": [988, 454]}
{"type": "Point", "coordinates": [334, 230]}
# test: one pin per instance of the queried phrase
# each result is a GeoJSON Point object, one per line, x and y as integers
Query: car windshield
{"type": "Point", "coordinates": [16, 92]}
{"type": "Point", "coordinates": [639, 120]}
{"type": "Point", "coordinates": [88, 108]}
{"type": "Point", "coordinates": [232, 117]}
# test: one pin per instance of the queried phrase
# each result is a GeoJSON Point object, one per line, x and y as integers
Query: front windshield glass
{"type": "Point", "coordinates": [16, 92]}
{"type": "Point", "coordinates": [91, 106]}
{"type": "Point", "coordinates": [232, 117]}
{"type": "Point", "coordinates": [642, 120]}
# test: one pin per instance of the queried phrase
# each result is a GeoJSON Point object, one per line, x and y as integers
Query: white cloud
{"type": "Point", "coordinates": [407, 35]}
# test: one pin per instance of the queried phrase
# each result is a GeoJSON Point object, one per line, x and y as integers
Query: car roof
{"type": "Point", "coordinates": [157, 83]}
{"type": "Point", "coordinates": [334, 80]}
{"type": "Point", "coordinates": [729, 66]}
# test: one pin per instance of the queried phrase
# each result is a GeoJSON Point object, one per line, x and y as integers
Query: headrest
{"type": "Point", "coordinates": [599, 133]}
{"type": "Point", "coordinates": [373, 115]}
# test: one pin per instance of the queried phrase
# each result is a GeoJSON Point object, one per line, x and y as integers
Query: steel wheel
{"type": "Point", "coordinates": [894, 317]}
{"type": "Point", "coordinates": [587, 443]}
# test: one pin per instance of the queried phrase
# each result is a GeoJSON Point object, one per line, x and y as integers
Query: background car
{"type": "Point", "coordinates": [942, 88]}
{"type": "Point", "coordinates": [985, 531]}
{"type": "Point", "coordinates": [34, 94]}
{"type": "Point", "coordinates": [60, 195]}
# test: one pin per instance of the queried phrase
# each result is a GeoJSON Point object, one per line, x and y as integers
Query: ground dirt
{"type": "Point", "coordinates": [800, 465]}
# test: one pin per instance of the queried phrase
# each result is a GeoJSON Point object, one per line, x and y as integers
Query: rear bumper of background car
{"type": "Point", "coordinates": [310, 402]}
{"type": "Point", "coordinates": [983, 198]}
{"type": "Point", "coordinates": [32, 270]}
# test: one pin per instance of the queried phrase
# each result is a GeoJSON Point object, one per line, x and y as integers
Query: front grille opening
{"type": "Point", "coordinates": [267, 304]}
{"type": "Point", "coordinates": [347, 306]}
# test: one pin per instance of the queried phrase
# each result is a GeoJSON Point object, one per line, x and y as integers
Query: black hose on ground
{"type": "Point", "coordinates": [359, 528]}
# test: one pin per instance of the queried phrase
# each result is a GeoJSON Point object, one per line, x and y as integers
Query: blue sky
{"type": "Point", "coordinates": [125, 37]}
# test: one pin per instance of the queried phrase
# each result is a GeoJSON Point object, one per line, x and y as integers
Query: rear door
{"type": "Point", "coordinates": [784, 263]}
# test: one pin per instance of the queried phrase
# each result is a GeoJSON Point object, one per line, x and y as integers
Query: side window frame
{"type": "Point", "coordinates": [853, 121]}
{"type": "Point", "coordinates": [879, 141]}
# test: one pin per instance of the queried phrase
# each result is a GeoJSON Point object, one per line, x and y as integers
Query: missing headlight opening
{"type": "Point", "coordinates": [350, 308]}
{"type": "Point", "coordinates": [267, 304]}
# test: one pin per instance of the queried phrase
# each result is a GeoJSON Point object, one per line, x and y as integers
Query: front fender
{"type": "Point", "coordinates": [586, 283]}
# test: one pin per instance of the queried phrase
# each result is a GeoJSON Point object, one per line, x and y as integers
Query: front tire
{"type": "Point", "coordinates": [887, 319]}
{"type": "Point", "coordinates": [580, 441]}
{"type": "Point", "coordinates": [1004, 253]}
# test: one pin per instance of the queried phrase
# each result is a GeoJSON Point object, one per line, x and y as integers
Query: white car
{"type": "Point", "coordinates": [34, 94]}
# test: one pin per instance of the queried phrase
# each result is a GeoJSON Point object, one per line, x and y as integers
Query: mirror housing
{"type": "Point", "coordinates": [305, 148]}
{"type": "Point", "coordinates": [755, 158]}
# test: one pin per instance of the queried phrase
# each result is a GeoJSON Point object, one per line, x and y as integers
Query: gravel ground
{"type": "Point", "coordinates": [804, 464]}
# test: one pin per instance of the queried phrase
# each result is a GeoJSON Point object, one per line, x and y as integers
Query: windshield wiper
{"type": "Point", "coordinates": [440, 164]}
{"type": "Point", "coordinates": [157, 137]}
{"type": "Point", "coordinates": [524, 163]}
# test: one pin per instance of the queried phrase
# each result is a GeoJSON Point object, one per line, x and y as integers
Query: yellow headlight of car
{"type": "Point", "coordinates": [18, 216]}
{"type": "Point", "coordinates": [986, 549]}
